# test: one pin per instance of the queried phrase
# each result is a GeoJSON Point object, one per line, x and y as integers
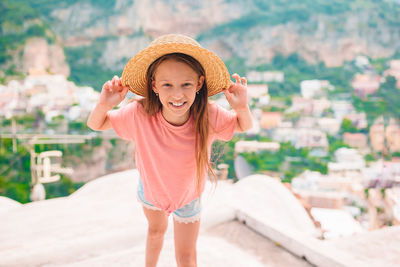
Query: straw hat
{"type": "Point", "coordinates": [134, 74]}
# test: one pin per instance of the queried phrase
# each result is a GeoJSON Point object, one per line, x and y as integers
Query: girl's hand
{"type": "Point", "coordinates": [236, 94]}
{"type": "Point", "coordinates": [113, 92]}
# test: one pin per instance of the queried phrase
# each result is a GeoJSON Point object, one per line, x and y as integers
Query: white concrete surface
{"type": "Point", "coordinates": [336, 223]}
{"type": "Point", "coordinates": [7, 204]}
{"type": "Point", "coordinates": [376, 248]}
{"type": "Point", "coordinates": [269, 201]}
{"type": "Point", "coordinates": [102, 224]}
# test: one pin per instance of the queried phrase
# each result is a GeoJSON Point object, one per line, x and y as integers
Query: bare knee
{"type": "Point", "coordinates": [157, 232]}
{"type": "Point", "coordinates": [157, 223]}
{"type": "Point", "coordinates": [186, 259]}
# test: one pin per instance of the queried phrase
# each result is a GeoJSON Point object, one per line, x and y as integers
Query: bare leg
{"type": "Point", "coordinates": [158, 224]}
{"type": "Point", "coordinates": [185, 237]}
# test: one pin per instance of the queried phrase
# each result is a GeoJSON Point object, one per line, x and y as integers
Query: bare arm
{"type": "Point", "coordinates": [244, 120]}
{"type": "Point", "coordinates": [236, 95]}
{"type": "Point", "coordinates": [98, 119]}
{"type": "Point", "coordinates": [111, 95]}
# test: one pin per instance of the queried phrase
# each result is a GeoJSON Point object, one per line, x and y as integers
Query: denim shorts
{"type": "Point", "coordinates": [187, 214]}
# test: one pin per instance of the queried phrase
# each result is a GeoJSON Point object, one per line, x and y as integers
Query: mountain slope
{"type": "Point", "coordinates": [100, 36]}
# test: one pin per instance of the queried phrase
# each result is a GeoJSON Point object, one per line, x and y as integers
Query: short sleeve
{"type": "Point", "coordinates": [123, 120]}
{"type": "Point", "coordinates": [222, 122]}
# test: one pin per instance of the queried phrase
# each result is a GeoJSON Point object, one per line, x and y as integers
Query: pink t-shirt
{"type": "Point", "coordinates": [165, 154]}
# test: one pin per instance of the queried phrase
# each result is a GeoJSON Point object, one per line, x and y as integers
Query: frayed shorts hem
{"type": "Point", "coordinates": [151, 207]}
{"type": "Point", "coordinates": [192, 219]}
{"type": "Point", "coordinates": [185, 220]}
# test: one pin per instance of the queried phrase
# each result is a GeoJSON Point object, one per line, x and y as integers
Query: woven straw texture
{"type": "Point", "coordinates": [134, 74]}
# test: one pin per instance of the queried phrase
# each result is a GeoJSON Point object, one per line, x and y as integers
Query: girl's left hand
{"type": "Point", "coordinates": [236, 94]}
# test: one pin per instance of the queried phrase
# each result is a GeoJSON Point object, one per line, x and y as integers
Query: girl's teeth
{"type": "Point", "coordinates": [177, 104]}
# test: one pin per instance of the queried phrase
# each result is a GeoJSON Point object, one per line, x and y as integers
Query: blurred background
{"type": "Point", "coordinates": [324, 88]}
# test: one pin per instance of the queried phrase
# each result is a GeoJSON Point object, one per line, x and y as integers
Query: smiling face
{"type": "Point", "coordinates": [176, 85]}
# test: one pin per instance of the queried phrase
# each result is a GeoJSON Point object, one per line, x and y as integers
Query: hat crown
{"type": "Point", "coordinates": [216, 73]}
{"type": "Point", "coordinates": [174, 39]}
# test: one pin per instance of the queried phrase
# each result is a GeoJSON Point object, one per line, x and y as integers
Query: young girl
{"type": "Point", "coordinates": [173, 127]}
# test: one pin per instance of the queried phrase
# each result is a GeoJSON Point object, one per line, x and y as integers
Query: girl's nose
{"type": "Point", "coordinates": [178, 92]}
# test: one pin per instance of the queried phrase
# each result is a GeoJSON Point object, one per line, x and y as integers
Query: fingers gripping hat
{"type": "Point", "coordinates": [216, 73]}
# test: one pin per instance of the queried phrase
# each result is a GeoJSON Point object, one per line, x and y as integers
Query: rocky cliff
{"type": "Point", "coordinates": [131, 25]}
{"type": "Point", "coordinates": [113, 31]}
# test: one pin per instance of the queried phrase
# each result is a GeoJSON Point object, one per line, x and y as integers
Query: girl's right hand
{"type": "Point", "coordinates": [113, 92]}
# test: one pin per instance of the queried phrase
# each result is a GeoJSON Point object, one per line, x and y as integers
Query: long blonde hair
{"type": "Point", "coordinates": [199, 109]}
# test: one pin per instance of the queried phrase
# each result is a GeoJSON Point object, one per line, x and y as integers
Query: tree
{"type": "Point", "coordinates": [391, 96]}
{"type": "Point", "coordinates": [347, 126]}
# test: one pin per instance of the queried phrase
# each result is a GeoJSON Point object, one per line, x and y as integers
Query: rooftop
{"type": "Point", "coordinates": [255, 222]}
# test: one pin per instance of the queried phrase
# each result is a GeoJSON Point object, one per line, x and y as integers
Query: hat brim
{"type": "Point", "coordinates": [216, 74]}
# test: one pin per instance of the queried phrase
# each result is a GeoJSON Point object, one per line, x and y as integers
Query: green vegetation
{"type": "Point", "coordinates": [380, 64]}
{"type": "Point", "coordinates": [46, 7]}
{"type": "Point", "coordinates": [224, 152]}
{"type": "Point", "coordinates": [62, 188]}
{"type": "Point", "coordinates": [23, 19]}
{"type": "Point", "coordinates": [14, 172]}
{"type": "Point", "coordinates": [370, 157]}
{"type": "Point", "coordinates": [296, 69]}
{"type": "Point", "coordinates": [236, 65]}
{"type": "Point", "coordinates": [288, 160]}
{"type": "Point", "coordinates": [347, 127]}
{"type": "Point", "coordinates": [334, 144]}
{"type": "Point", "coordinates": [274, 12]}
{"type": "Point", "coordinates": [78, 127]}
{"type": "Point", "coordinates": [18, 22]}
{"type": "Point", "coordinates": [15, 175]}
{"type": "Point", "coordinates": [391, 96]}
{"type": "Point", "coordinates": [385, 102]}
{"type": "Point", "coordinates": [269, 13]}
{"type": "Point", "coordinates": [88, 72]}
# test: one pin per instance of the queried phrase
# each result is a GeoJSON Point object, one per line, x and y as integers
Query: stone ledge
{"type": "Point", "coordinates": [313, 250]}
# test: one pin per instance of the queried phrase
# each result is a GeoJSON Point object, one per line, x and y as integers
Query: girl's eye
{"type": "Point", "coordinates": [167, 85]}
{"type": "Point", "coordinates": [187, 84]}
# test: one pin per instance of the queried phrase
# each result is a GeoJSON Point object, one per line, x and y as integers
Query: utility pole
{"type": "Point", "coordinates": [14, 132]}
{"type": "Point", "coordinates": [42, 168]}
{"type": "Point", "coordinates": [385, 147]}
